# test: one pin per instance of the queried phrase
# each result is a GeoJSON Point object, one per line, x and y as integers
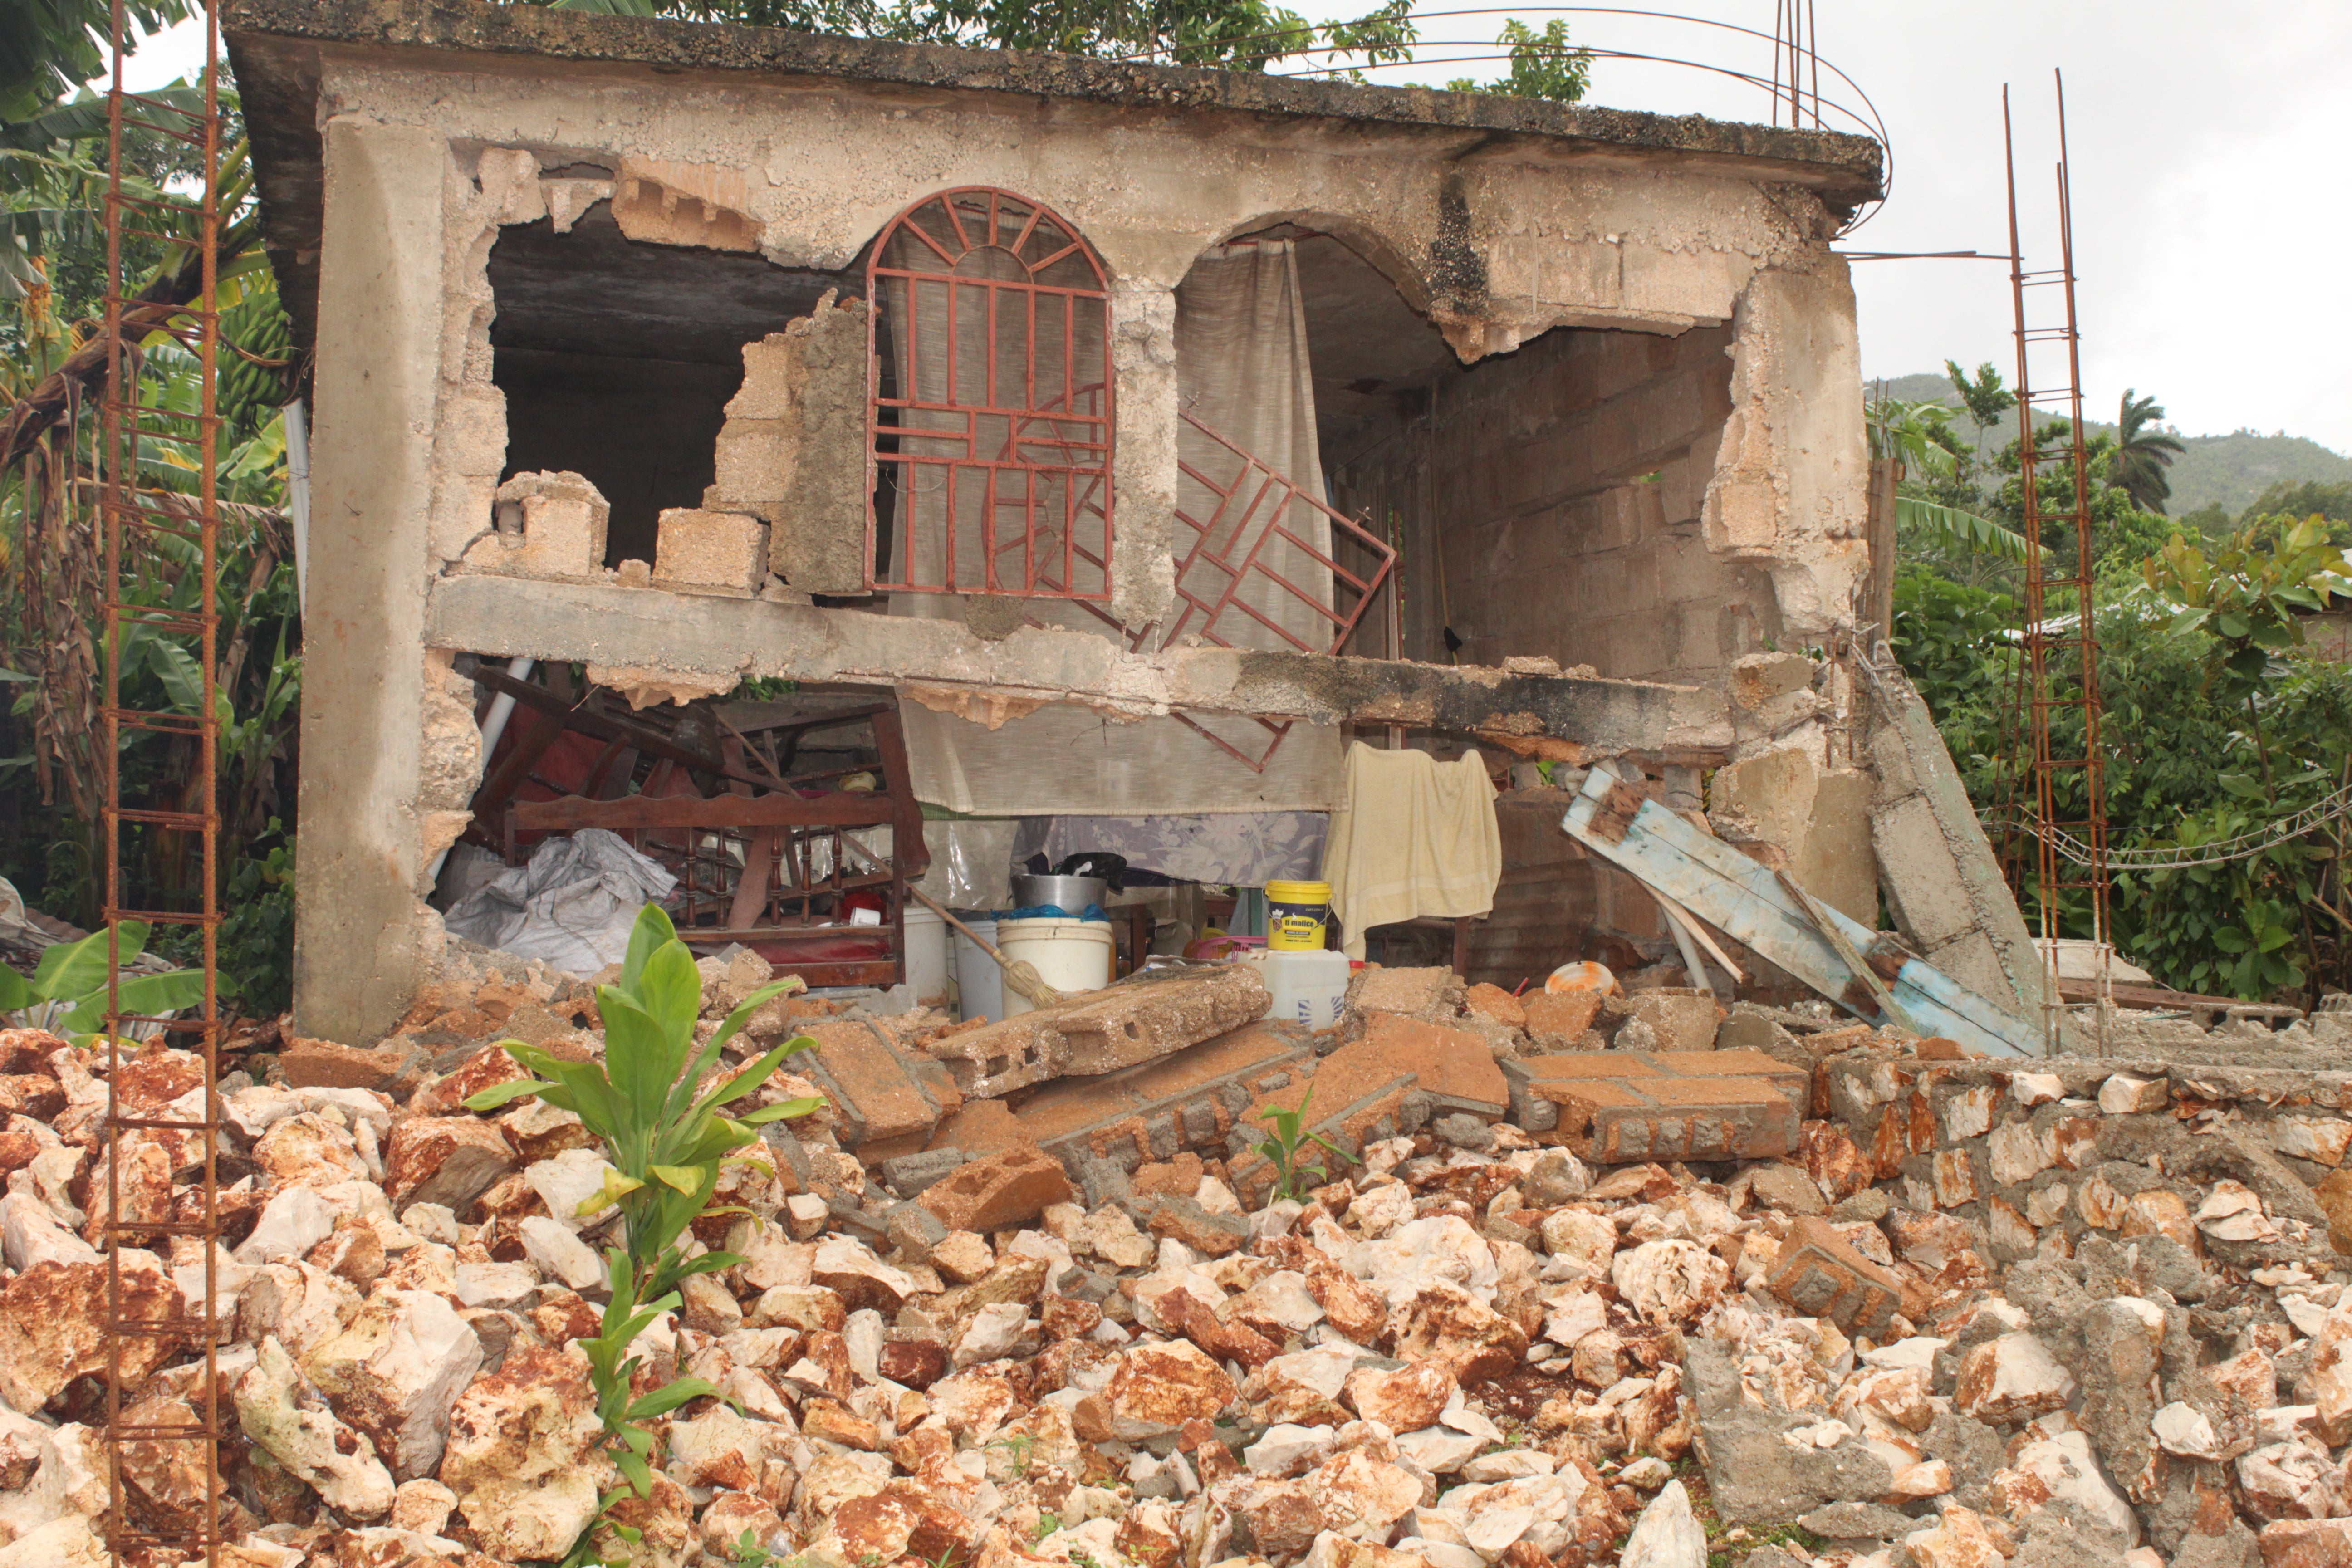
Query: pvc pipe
{"type": "Point", "coordinates": [493, 724]}
{"type": "Point", "coordinates": [297, 427]}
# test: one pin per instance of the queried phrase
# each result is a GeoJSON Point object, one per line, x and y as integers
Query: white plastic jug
{"type": "Point", "coordinates": [1308, 988]}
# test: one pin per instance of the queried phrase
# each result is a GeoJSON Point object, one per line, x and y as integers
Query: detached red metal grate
{"type": "Point", "coordinates": [989, 419]}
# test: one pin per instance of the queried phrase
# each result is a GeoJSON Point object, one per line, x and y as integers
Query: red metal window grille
{"type": "Point", "coordinates": [989, 418]}
{"type": "Point", "coordinates": [1265, 566]}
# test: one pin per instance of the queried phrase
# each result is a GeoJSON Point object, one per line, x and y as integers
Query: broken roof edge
{"type": "Point", "coordinates": [1846, 170]}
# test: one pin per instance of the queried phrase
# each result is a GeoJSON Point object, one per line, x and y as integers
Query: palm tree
{"type": "Point", "coordinates": [2143, 453]}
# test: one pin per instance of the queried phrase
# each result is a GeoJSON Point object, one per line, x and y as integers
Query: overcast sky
{"type": "Point", "coordinates": [2212, 223]}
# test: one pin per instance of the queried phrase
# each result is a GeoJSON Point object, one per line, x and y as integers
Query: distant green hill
{"type": "Point", "coordinates": [2229, 471]}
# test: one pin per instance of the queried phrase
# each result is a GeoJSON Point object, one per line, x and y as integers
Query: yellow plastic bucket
{"type": "Point", "coordinates": [1296, 914]}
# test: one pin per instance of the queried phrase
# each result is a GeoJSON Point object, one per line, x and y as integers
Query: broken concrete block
{"type": "Point", "coordinates": [1153, 1017]}
{"type": "Point", "coordinates": [670, 203]}
{"type": "Point", "coordinates": [1558, 1019]}
{"type": "Point", "coordinates": [1000, 1190]}
{"type": "Point", "coordinates": [1624, 1107]}
{"type": "Point", "coordinates": [1433, 992]}
{"type": "Point", "coordinates": [1193, 1100]}
{"type": "Point", "coordinates": [1494, 1001]}
{"type": "Point", "coordinates": [1821, 1275]}
{"type": "Point", "coordinates": [1765, 799]}
{"type": "Point", "coordinates": [1757, 678]}
{"type": "Point", "coordinates": [996, 1058]}
{"type": "Point", "coordinates": [792, 450]}
{"type": "Point", "coordinates": [908, 1174]}
{"type": "Point", "coordinates": [721, 551]}
{"type": "Point", "coordinates": [1838, 865]}
{"type": "Point", "coordinates": [545, 525]}
{"type": "Point", "coordinates": [885, 1100]}
{"type": "Point", "coordinates": [1681, 1019]}
{"type": "Point", "coordinates": [1108, 1031]}
{"type": "Point", "coordinates": [394, 1067]}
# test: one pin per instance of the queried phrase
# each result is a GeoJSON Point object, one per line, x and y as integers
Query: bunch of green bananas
{"type": "Point", "coordinates": [248, 392]}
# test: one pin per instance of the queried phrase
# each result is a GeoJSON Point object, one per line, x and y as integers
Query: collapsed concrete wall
{"type": "Point", "coordinates": [794, 448]}
{"type": "Point", "coordinates": [426, 158]}
{"type": "Point", "coordinates": [1601, 247]}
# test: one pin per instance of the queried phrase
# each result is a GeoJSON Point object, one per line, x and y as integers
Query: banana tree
{"type": "Point", "coordinates": [68, 993]}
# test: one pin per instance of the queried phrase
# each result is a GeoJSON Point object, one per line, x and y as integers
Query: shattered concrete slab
{"type": "Point", "coordinates": [1146, 1016]}
{"type": "Point", "coordinates": [1621, 1107]}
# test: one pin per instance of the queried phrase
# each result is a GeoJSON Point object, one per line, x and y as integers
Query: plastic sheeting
{"type": "Point", "coordinates": [571, 906]}
{"type": "Point", "coordinates": [1243, 849]}
{"type": "Point", "coordinates": [971, 863]}
{"type": "Point", "coordinates": [1066, 759]}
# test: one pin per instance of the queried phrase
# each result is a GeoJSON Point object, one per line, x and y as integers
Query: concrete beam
{"type": "Point", "coordinates": [613, 626]}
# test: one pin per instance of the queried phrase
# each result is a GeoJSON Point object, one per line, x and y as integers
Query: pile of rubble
{"type": "Point", "coordinates": [1597, 1287]}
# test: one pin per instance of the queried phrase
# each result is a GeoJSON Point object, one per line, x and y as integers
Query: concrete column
{"type": "Point", "coordinates": [356, 913]}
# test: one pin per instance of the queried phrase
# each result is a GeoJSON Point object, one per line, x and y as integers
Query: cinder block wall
{"type": "Point", "coordinates": [1578, 470]}
{"type": "Point", "coordinates": [1564, 487]}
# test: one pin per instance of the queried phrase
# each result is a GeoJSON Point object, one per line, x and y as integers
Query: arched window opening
{"type": "Point", "coordinates": [990, 421]}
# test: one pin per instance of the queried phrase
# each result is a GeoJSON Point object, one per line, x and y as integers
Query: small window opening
{"type": "Point", "coordinates": [618, 357]}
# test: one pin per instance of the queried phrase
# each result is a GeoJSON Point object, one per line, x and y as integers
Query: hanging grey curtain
{"type": "Point", "coordinates": [1242, 369]}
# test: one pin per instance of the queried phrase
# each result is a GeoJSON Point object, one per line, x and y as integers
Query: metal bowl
{"type": "Point", "coordinates": [1070, 893]}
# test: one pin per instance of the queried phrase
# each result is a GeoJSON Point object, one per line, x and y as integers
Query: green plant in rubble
{"type": "Point", "coordinates": [665, 1145]}
{"type": "Point", "coordinates": [613, 1370]}
{"type": "Point", "coordinates": [68, 992]}
{"type": "Point", "coordinates": [1287, 1140]}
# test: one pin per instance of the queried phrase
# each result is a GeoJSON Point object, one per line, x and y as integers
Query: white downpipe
{"type": "Point", "coordinates": [493, 724]}
{"type": "Point", "coordinates": [298, 494]}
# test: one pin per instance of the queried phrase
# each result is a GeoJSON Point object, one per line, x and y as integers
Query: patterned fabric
{"type": "Point", "coordinates": [1243, 849]}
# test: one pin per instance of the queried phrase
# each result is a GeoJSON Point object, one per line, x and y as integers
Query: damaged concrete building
{"type": "Point", "coordinates": [1132, 438]}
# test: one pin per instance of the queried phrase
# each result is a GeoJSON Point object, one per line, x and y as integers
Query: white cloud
{"type": "Point", "coordinates": [2209, 222]}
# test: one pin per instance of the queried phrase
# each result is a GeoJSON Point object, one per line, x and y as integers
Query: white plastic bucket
{"type": "Point", "coordinates": [1308, 988]}
{"type": "Point", "coordinates": [927, 954]}
{"type": "Point", "coordinates": [979, 984]}
{"type": "Point", "coordinates": [1071, 956]}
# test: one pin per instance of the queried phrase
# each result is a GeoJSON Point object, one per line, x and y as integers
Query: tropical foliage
{"type": "Point", "coordinates": [1236, 35]}
{"type": "Point", "coordinates": [1543, 65]}
{"type": "Point", "coordinates": [2215, 719]}
{"type": "Point", "coordinates": [53, 646]}
{"type": "Point", "coordinates": [68, 993]}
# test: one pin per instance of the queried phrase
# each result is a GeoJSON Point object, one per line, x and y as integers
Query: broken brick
{"type": "Point", "coordinates": [1432, 993]}
{"type": "Point", "coordinates": [880, 1096]}
{"type": "Point", "coordinates": [1821, 1275]}
{"type": "Point", "coordinates": [322, 1064]}
{"type": "Point", "coordinates": [1561, 1017]}
{"type": "Point", "coordinates": [1494, 1001]}
{"type": "Point", "coordinates": [1000, 1190]}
